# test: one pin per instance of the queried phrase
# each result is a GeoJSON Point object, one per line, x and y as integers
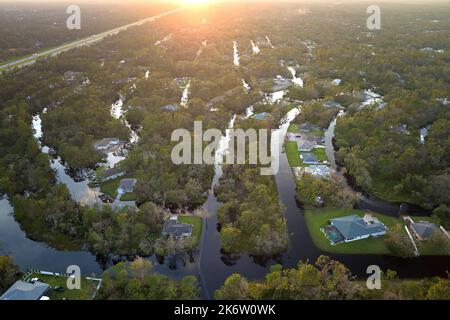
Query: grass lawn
{"type": "Point", "coordinates": [110, 187]}
{"type": "Point", "coordinates": [293, 155]}
{"type": "Point", "coordinates": [319, 218]}
{"type": "Point", "coordinates": [197, 223]}
{"type": "Point", "coordinates": [88, 287]}
{"type": "Point", "coordinates": [317, 132]}
{"type": "Point", "coordinates": [320, 154]}
{"type": "Point", "coordinates": [131, 196]}
{"type": "Point", "coordinates": [293, 128]}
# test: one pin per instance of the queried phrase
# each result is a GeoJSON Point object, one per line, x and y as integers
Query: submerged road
{"type": "Point", "coordinates": [25, 61]}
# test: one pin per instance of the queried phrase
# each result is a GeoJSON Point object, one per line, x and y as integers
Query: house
{"type": "Point", "coordinates": [281, 83]}
{"type": "Point", "coordinates": [306, 127]}
{"type": "Point", "coordinates": [332, 104]}
{"type": "Point", "coordinates": [111, 174]}
{"type": "Point", "coordinates": [170, 108]}
{"type": "Point", "coordinates": [306, 146]}
{"type": "Point", "coordinates": [336, 82]}
{"type": "Point", "coordinates": [261, 116]}
{"type": "Point", "coordinates": [318, 170]}
{"type": "Point", "coordinates": [352, 228]}
{"type": "Point", "coordinates": [309, 158]}
{"type": "Point", "coordinates": [106, 143]}
{"type": "Point", "coordinates": [22, 290]}
{"type": "Point", "coordinates": [177, 230]}
{"type": "Point", "coordinates": [423, 229]}
{"type": "Point", "coordinates": [126, 186]}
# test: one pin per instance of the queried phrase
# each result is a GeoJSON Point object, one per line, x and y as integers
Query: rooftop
{"type": "Point", "coordinates": [309, 157]}
{"type": "Point", "coordinates": [127, 185]}
{"type": "Point", "coordinates": [22, 290]}
{"type": "Point", "coordinates": [424, 229]}
{"type": "Point", "coordinates": [175, 229]}
{"type": "Point", "coordinates": [353, 226]}
{"type": "Point", "coordinates": [106, 142]}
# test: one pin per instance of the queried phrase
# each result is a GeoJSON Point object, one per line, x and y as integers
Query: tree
{"type": "Point", "coordinates": [398, 242]}
{"type": "Point", "coordinates": [443, 214]}
{"type": "Point", "coordinates": [437, 243]}
{"type": "Point", "coordinates": [440, 290]}
{"type": "Point", "coordinates": [9, 273]}
{"type": "Point", "coordinates": [234, 288]}
{"type": "Point", "coordinates": [137, 281]}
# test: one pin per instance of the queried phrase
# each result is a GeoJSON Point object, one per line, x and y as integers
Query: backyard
{"type": "Point", "coordinates": [110, 188]}
{"type": "Point", "coordinates": [87, 291]}
{"type": "Point", "coordinates": [197, 223]}
{"type": "Point", "coordinates": [293, 155]}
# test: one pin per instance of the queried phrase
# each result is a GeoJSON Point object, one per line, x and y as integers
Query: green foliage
{"type": "Point", "coordinates": [329, 280]}
{"type": "Point", "coordinates": [251, 216]}
{"type": "Point", "coordinates": [324, 280]}
{"type": "Point", "coordinates": [9, 273]}
{"type": "Point", "coordinates": [330, 191]}
{"type": "Point", "coordinates": [399, 243]}
{"type": "Point", "coordinates": [137, 281]}
{"type": "Point", "coordinates": [317, 114]}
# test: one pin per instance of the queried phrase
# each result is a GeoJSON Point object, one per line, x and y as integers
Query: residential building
{"type": "Point", "coordinates": [113, 173]}
{"type": "Point", "coordinates": [318, 170]}
{"type": "Point", "coordinates": [126, 186]}
{"type": "Point", "coordinates": [309, 158]}
{"type": "Point", "coordinates": [22, 290]}
{"type": "Point", "coordinates": [177, 230]}
{"type": "Point", "coordinates": [423, 229]}
{"type": "Point", "coordinates": [281, 83]}
{"type": "Point", "coordinates": [306, 146]}
{"type": "Point", "coordinates": [106, 143]}
{"type": "Point", "coordinates": [332, 104]}
{"type": "Point", "coordinates": [352, 228]}
{"type": "Point", "coordinates": [261, 116]}
{"type": "Point", "coordinates": [170, 108]}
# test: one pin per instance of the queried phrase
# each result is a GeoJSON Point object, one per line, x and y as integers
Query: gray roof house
{"type": "Point", "coordinates": [306, 146]}
{"type": "Point", "coordinates": [356, 228]}
{"type": "Point", "coordinates": [112, 173]}
{"type": "Point", "coordinates": [126, 186]}
{"type": "Point", "coordinates": [22, 290]}
{"type": "Point", "coordinates": [106, 143]}
{"type": "Point", "coordinates": [423, 230]}
{"type": "Point", "coordinates": [309, 158]}
{"type": "Point", "coordinates": [177, 230]}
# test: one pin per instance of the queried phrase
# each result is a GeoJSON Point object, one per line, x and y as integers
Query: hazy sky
{"type": "Point", "coordinates": [150, 1]}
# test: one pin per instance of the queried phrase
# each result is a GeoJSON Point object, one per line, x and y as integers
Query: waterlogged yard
{"type": "Point", "coordinates": [87, 291]}
{"type": "Point", "coordinates": [293, 155]}
{"type": "Point", "coordinates": [319, 218]}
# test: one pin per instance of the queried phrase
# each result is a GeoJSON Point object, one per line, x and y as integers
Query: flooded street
{"type": "Point", "coordinates": [296, 80]}
{"type": "Point", "coordinates": [79, 190]}
{"type": "Point", "coordinates": [235, 54]}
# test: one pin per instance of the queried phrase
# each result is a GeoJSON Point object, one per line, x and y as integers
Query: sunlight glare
{"type": "Point", "coordinates": [193, 2]}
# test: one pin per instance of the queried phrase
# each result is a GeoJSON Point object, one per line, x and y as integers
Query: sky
{"type": "Point", "coordinates": [150, 1]}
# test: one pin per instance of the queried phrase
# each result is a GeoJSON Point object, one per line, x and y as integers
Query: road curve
{"type": "Point", "coordinates": [25, 61]}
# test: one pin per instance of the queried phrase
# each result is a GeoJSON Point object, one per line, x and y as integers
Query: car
{"type": "Point", "coordinates": [33, 280]}
{"type": "Point", "coordinates": [59, 289]}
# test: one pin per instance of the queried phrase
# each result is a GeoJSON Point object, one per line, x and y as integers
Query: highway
{"type": "Point", "coordinates": [25, 61]}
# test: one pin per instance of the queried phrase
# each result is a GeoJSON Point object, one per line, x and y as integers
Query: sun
{"type": "Point", "coordinates": [192, 2]}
